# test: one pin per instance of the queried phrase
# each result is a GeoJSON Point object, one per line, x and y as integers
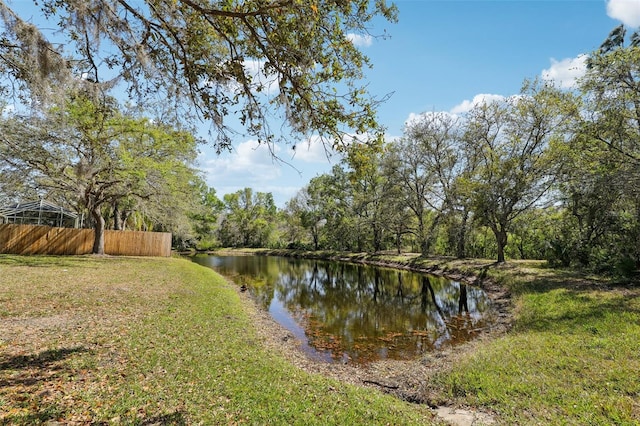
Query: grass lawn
{"type": "Point", "coordinates": [165, 341]}
{"type": "Point", "coordinates": [154, 341]}
{"type": "Point", "coordinates": [572, 358]}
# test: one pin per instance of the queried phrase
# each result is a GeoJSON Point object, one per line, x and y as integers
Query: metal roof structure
{"type": "Point", "coordinates": [39, 212]}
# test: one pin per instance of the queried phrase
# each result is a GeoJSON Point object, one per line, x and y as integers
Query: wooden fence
{"type": "Point", "coordinates": [34, 239]}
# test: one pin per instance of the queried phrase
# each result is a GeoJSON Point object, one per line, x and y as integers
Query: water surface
{"type": "Point", "coordinates": [343, 312]}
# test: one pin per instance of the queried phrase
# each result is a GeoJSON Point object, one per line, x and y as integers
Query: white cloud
{"type": "Point", "coordinates": [249, 165]}
{"type": "Point", "coordinates": [457, 111]}
{"type": "Point", "coordinates": [626, 11]}
{"type": "Point", "coordinates": [392, 138]}
{"type": "Point", "coordinates": [282, 194]}
{"type": "Point", "coordinates": [360, 40]}
{"type": "Point", "coordinates": [482, 98]}
{"type": "Point", "coordinates": [312, 151]}
{"type": "Point", "coordinates": [255, 70]}
{"type": "Point", "coordinates": [566, 72]}
{"type": "Point", "coordinates": [252, 165]}
{"type": "Point", "coordinates": [8, 110]}
{"type": "Point", "coordinates": [415, 118]}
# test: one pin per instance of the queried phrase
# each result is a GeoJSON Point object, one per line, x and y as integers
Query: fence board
{"type": "Point", "coordinates": [137, 243]}
{"type": "Point", "coordinates": [35, 239]}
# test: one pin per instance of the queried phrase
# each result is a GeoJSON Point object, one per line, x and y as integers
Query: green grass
{"type": "Point", "coordinates": [573, 356]}
{"type": "Point", "coordinates": [154, 341]}
{"type": "Point", "coordinates": [165, 341]}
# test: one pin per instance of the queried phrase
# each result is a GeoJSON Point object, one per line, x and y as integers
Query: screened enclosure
{"type": "Point", "coordinates": [39, 212]}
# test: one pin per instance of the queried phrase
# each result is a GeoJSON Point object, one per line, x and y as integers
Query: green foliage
{"type": "Point", "coordinates": [327, 211]}
{"type": "Point", "coordinates": [424, 165]}
{"type": "Point", "coordinates": [205, 217]}
{"type": "Point", "coordinates": [437, 190]}
{"type": "Point", "coordinates": [601, 222]}
{"type": "Point", "coordinates": [531, 233]}
{"type": "Point", "coordinates": [510, 144]}
{"type": "Point", "coordinates": [224, 61]}
{"type": "Point", "coordinates": [545, 174]}
{"type": "Point", "coordinates": [248, 219]}
{"type": "Point", "coordinates": [370, 188]}
{"type": "Point", "coordinates": [92, 155]}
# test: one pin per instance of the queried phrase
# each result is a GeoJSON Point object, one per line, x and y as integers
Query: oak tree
{"type": "Point", "coordinates": [424, 163]}
{"type": "Point", "coordinates": [226, 61]}
{"type": "Point", "coordinates": [601, 227]}
{"type": "Point", "coordinates": [95, 156]}
{"type": "Point", "coordinates": [248, 218]}
{"type": "Point", "coordinates": [510, 142]}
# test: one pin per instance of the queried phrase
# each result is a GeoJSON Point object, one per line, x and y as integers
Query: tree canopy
{"type": "Point", "coordinates": [221, 60]}
{"type": "Point", "coordinates": [94, 156]}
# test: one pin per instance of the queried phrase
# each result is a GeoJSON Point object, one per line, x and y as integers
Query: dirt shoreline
{"type": "Point", "coordinates": [407, 380]}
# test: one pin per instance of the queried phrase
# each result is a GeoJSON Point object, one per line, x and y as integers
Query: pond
{"type": "Point", "coordinates": [342, 312]}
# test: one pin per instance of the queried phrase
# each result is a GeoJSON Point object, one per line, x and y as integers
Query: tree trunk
{"type": "Point", "coordinates": [423, 238]}
{"type": "Point", "coordinates": [124, 216]}
{"type": "Point", "coordinates": [501, 241]}
{"type": "Point", "coordinates": [98, 227]}
{"type": "Point", "coordinates": [424, 247]}
{"type": "Point", "coordinates": [637, 247]}
{"type": "Point", "coordinates": [461, 249]}
{"type": "Point", "coordinates": [433, 228]}
{"type": "Point", "coordinates": [116, 217]}
{"type": "Point", "coordinates": [377, 238]}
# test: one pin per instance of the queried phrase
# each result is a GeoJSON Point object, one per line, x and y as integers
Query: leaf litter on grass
{"type": "Point", "coordinates": [59, 335]}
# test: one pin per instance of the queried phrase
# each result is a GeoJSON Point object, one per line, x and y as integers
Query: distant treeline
{"type": "Point", "coordinates": [548, 174]}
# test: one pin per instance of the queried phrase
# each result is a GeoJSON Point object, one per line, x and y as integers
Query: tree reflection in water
{"type": "Point", "coordinates": [358, 313]}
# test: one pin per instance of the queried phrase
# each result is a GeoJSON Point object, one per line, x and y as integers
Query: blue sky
{"type": "Point", "coordinates": [441, 56]}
